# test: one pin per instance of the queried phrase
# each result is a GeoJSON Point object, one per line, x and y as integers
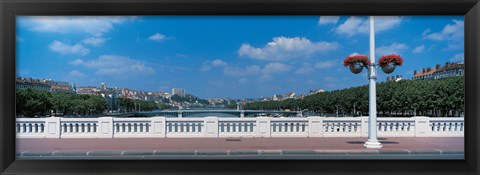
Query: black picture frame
{"type": "Point", "coordinates": [10, 8]}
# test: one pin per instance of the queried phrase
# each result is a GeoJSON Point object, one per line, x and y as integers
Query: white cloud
{"type": "Point", "coordinates": [115, 65]}
{"type": "Point", "coordinates": [274, 68]}
{"type": "Point", "coordinates": [419, 49]}
{"type": "Point", "coordinates": [75, 73]}
{"type": "Point", "coordinates": [242, 80]}
{"type": "Point", "coordinates": [157, 37]}
{"type": "Point", "coordinates": [284, 48]}
{"type": "Point", "coordinates": [179, 55]}
{"type": "Point", "coordinates": [394, 48]}
{"type": "Point", "coordinates": [328, 20]}
{"type": "Point", "coordinates": [354, 54]}
{"type": "Point", "coordinates": [453, 31]}
{"type": "Point", "coordinates": [306, 69]}
{"type": "Point", "coordinates": [265, 78]}
{"type": "Point", "coordinates": [426, 32]}
{"type": "Point", "coordinates": [360, 25]}
{"type": "Point", "coordinates": [264, 74]}
{"type": "Point", "coordinates": [326, 64]}
{"type": "Point", "coordinates": [383, 23]}
{"type": "Point", "coordinates": [219, 63]}
{"type": "Point", "coordinates": [453, 46]}
{"type": "Point", "coordinates": [94, 41]}
{"type": "Point", "coordinates": [458, 58]}
{"type": "Point", "coordinates": [62, 48]}
{"type": "Point", "coordinates": [94, 25]}
{"type": "Point", "coordinates": [207, 65]}
{"type": "Point", "coordinates": [77, 62]}
{"type": "Point", "coordinates": [352, 26]}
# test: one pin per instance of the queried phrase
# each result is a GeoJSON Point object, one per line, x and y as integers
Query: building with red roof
{"type": "Point", "coordinates": [447, 70]}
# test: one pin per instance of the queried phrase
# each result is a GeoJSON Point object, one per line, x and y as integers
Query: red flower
{"type": "Point", "coordinates": [350, 60]}
{"type": "Point", "coordinates": [385, 59]}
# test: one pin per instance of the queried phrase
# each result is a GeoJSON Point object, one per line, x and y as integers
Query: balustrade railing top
{"type": "Point", "coordinates": [161, 127]}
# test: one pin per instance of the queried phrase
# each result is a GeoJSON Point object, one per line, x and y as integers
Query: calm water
{"type": "Point", "coordinates": [169, 114]}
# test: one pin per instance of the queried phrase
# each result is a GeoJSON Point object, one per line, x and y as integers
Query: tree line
{"type": "Point", "coordinates": [34, 102]}
{"type": "Point", "coordinates": [135, 105]}
{"type": "Point", "coordinates": [443, 97]}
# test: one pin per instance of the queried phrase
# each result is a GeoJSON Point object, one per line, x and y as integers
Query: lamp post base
{"type": "Point", "coordinates": [373, 144]}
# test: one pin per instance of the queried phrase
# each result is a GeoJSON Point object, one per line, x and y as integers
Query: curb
{"type": "Point", "coordinates": [233, 153]}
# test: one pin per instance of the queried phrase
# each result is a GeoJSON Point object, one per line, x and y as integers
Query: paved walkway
{"type": "Point", "coordinates": [337, 143]}
{"type": "Point", "coordinates": [172, 148]}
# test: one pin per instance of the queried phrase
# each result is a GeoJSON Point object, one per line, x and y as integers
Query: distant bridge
{"type": "Point", "coordinates": [224, 113]}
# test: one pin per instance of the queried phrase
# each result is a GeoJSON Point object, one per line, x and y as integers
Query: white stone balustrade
{"type": "Point", "coordinates": [236, 127]}
{"type": "Point", "coordinates": [342, 127]}
{"type": "Point", "coordinates": [188, 127]}
{"type": "Point", "coordinates": [79, 127]}
{"type": "Point", "coordinates": [400, 127]}
{"type": "Point", "coordinates": [30, 128]}
{"type": "Point", "coordinates": [289, 127]}
{"type": "Point", "coordinates": [132, 127]}
{"type": "Point", "coordinates": [441, 127]}
{"type": "Point", "coordinates": [214, 127]}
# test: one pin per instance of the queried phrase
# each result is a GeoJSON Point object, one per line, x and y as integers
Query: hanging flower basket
{"type": "Point", "coordinates": [356, 63]}
{"type": "Point", "coordinates": [357, 67]}
{"type": "Point", "coordinates": [389, 62]}
{"type": "Point", "coordinates": [388, 68]}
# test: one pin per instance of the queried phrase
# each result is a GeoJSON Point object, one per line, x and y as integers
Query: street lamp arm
{"type": "Point", "coordinates": [376, 65]}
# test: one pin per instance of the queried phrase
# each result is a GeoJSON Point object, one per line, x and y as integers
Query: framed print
{"type": "Point", "coordinates": [239, 87]}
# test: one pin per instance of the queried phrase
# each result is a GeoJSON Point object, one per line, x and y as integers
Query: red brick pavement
{"type": "Point", "coordinates": [337, 143]}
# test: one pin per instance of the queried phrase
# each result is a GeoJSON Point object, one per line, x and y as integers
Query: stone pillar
{"type": "Point", "coordinates": [242, 114]}
{"type": "Point", "coordinates": [53, 127]}
{"type": "Point", "coordinates": [158, 127]}
{"type": "Point", "coordinates": [180, 115]}
{"type": "Point", "coordinates": [364, 126]}
{"type": "Point", "coordinates": [210, 126]}
{"type": "Point", "coordinates": [315, 126]}
{"type": "Point", "coordinates": [105, 127]}
{"type": "Point", "coordinates": [422, 127]}
{"type": "Point", "coordinates": [263, 127]}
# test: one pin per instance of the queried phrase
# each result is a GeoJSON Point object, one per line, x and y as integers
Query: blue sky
{"type": "Point", "coordinates": [227, 56]}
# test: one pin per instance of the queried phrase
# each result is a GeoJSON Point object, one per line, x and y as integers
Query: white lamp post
{"type": "Point", "coordinates": [388, 64]}
{"type": "Point", "coordinates": [372, 141]}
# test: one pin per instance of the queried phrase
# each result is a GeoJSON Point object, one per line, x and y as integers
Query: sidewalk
{"type": "Point", "coordinates": [303, 147]}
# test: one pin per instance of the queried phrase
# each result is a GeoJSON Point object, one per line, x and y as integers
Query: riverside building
{"type": "Point", "coordinates": [439, 72]}
{"type": "Point", "coordinates": [45, 84]}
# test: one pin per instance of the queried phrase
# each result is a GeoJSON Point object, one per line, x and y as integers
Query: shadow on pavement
{"type": "Point", "coordinates": [363, 142]}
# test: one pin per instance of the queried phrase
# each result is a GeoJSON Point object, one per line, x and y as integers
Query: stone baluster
{"type": "Point", "coordinates": [22, 127]}
{"type": "Point", "coordinates": [435, 127]}
{"type": "Point", "coordinates": [190, 126]}
{"type": "Point", "coordinates": [29, 128]}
